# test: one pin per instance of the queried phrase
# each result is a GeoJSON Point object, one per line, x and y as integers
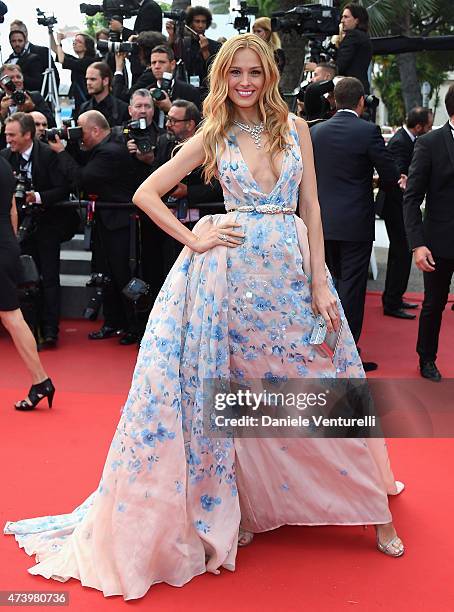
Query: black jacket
{"type": "Point", "coordinates": [180, 89]}
{"type": "Point", "coordinates": [193, 59]}
{"type": "Point", "coordinates": [51, 186]}
{"type": "Point", "coordinates": [148, 18]}
{"type": "Point", "coordinates": [401, 148]}
{"type": "Point", "coordinates": [33, 64]}
{"type": "Point", "coordinates": [354, 56]}
{"type": "Point", "coordinates": [346, 151]}
{"type": "Point", "coordinates": [40, 105]}
{"type": "Point", "coordinates": [109, 174]}
{"type": "Point", "coordinates": [431, 174]}
{"type": "Point", "coordinates": [114, 110]}
{"type": "Point", "coordinates": [78, 67]}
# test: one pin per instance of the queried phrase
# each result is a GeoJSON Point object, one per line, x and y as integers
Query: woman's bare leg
{"type": "Point", "coordinates": [24, 342]}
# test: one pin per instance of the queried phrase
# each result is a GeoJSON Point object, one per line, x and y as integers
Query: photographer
{"type": "Point", "coordinates": [49, 225]}
{"type": "Point", "coordinates": [141, 141]}
{"type": "Point", "coordinates": [149, 19]}
{"type": "Point", "coordinates": [182, 121]}
{"type": "Point", "coordinates": [146, 41]}
{"type": "Point", "coordinates": [110, 175]}
{"type": "Point", "coordinates": [262, 27]}
{"type": "Point", "coordinates": [319, 103]}
{"type": "Point", "coordinates": [196, 50]}
{"type": "Point", "coordinates": [14, 98]}
{"type": "Point", "coordinates": [32, 59]}
{"type": "Point", "coordinates": [355, 49]}
{"type": "Point", "coordinates": [99, 80]}
{"type": "Point", "coordinates": [84, 48]}
{"type": "Point", "coordinates": [41, 124]}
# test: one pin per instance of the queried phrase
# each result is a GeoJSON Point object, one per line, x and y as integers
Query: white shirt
{"type": "Point", "coordinates": [28, 168]}
{"type": "Point", "coordinates": [452, 128]}
{"type": "Point", "coordinates": [411, 135]}
{"type": "Point", "coordinates": [348, 110]}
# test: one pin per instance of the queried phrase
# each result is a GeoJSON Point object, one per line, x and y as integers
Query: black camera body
{"type": "Point", "coordinates": [97, 284]}
{"type": "Point", "coordinates": [307, 20]}
{"type": "Point", "coordinates": [112, 8]}
{"type": "Point", "coordinates": [178, 16]}
{"type": "Point", "coordinates": [23, 184]}
{"type": "Point", "coordinates": [242, 23]}
{"type": "Point", "coordinates": [64, 133]}
{"type": "Point", "coordinates": [158, 94]}
{"type": "Point", "coordinates": [48, 22]}
{"type": "Point", "coordinates": [138, 131]}
{"type": "Point", "coordinates": [17, 95]}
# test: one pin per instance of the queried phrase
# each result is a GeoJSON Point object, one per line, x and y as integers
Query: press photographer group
{"type": "Point", "coordinates": [137, 94]}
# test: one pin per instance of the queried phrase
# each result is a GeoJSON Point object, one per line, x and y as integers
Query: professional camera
{"type": "Point", "coordinates": [49, 22]}
{"type": "Point", "coordinates": [112, 8]}
{"type": "Point", "coordinates": [242, 23]}
{"type": "Point", "coordinates": [315, 104]}
{"type": "Point", "coordinates": [17, 96]}
{"type": "Point", "coordinates": [322, 50]}
{"type": "Point", "coordinates": [64, 133]}
{"type": "Point", "coordinates": [307, 20]}
{"type": "Point", "coordinates": [142, 136]}
{"type": "Point", "coordinates": [3, 11]}
{"type": "Point", "coordinates": [106, 46]}
{"type": "Point", "coordinates": [97, 283]}
{"type": "Point", "coordinates": [158, 94]}
{"type": "Point", "coordinates": [370, 108]}
{"type": "Point", "coordinates": [30, 212]}
{"type": "Point", "coordinates": [174, 15]}
{"type": "Point", "coordinates": [23, 184]}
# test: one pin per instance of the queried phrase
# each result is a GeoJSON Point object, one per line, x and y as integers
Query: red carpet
{"type": "Point", "coordinates": [52, 459]}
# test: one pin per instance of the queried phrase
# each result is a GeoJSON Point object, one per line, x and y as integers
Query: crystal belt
{"type": "Point", "coordinates": [267, 209]}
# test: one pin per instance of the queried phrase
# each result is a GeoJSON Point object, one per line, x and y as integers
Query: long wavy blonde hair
{"type": "Point", "coordinates": [265, 24]}
{"type": "Point", "coordinates": [219, 110]}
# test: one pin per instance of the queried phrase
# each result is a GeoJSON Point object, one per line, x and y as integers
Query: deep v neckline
{"type": "Point", "coordinates": [254, 182]}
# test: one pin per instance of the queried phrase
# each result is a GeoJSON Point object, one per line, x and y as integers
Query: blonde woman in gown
{"type": "Point", "coordinates": [239, 303]}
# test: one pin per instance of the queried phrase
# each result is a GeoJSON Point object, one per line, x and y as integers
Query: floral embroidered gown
{"type": "Point", "coordinates": [170, 500]}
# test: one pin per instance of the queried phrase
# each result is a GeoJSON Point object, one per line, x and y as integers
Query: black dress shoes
{"type": "Point", "coordinates": [49, 341]}
{"type": "Point", "coordinates": [370, 366]}
{"type": "Point", "coordinates": [409, 306]}
{"type": "Point", "coordinates": [129, 338]}
{"type": "Point", "coordinates": [429, 370]}
{"type": "Point", "coordinates": [398, 313]}
{"type": "Point", "coordinates": [105, 332]}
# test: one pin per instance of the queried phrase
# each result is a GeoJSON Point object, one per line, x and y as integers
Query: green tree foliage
{"type": "Point", "coordinates": [95, 23]}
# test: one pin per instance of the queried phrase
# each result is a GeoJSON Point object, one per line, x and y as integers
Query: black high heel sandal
{"type": "Point", "coordinates": [36, 394]}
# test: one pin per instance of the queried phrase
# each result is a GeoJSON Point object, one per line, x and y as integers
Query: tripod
{"type": "Point", "coordinates": [50, 84]}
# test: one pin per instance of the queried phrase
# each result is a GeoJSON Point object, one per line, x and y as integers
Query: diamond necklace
{"type": "Point", "coordinates": [254, 131]}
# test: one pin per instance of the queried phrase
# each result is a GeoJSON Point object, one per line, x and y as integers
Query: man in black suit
{"type": "Point", "coordinates": [355, 51]}
{"type": "Point", "coordinates": [53, 224]}
{"type": "Point", "coordinates": [196, 50]}
{"type": "Point", "coordinates": [110, 175]}
{"type": "Point", "coordinates": [99, 82]}
{"type": "Point", "coordinates": [419, 122]}
{"type": "Point", "coordinates": [431, 175]}
{"type": "Point", "coordinates": [149, 18]}
{"type": "Point", "coordinates": [33, 99]}
{"type": "Point", "coordinates": [162, 59]}
{"type": "Point", "coordinates": [346, 151]}
{"type": "Point", "coordinates": [32, 59]}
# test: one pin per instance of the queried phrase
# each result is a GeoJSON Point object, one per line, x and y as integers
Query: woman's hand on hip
{"type": "Point", "coordinates": [218, 235]}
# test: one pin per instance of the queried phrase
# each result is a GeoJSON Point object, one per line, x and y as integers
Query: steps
{"type": "Point", "coordinates": [75, 266]}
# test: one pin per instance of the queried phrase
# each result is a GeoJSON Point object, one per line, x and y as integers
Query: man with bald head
{"type": "Point", "coordinates": [41, 123]}
{"type": "Point", "coordinates": [109, 175]}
